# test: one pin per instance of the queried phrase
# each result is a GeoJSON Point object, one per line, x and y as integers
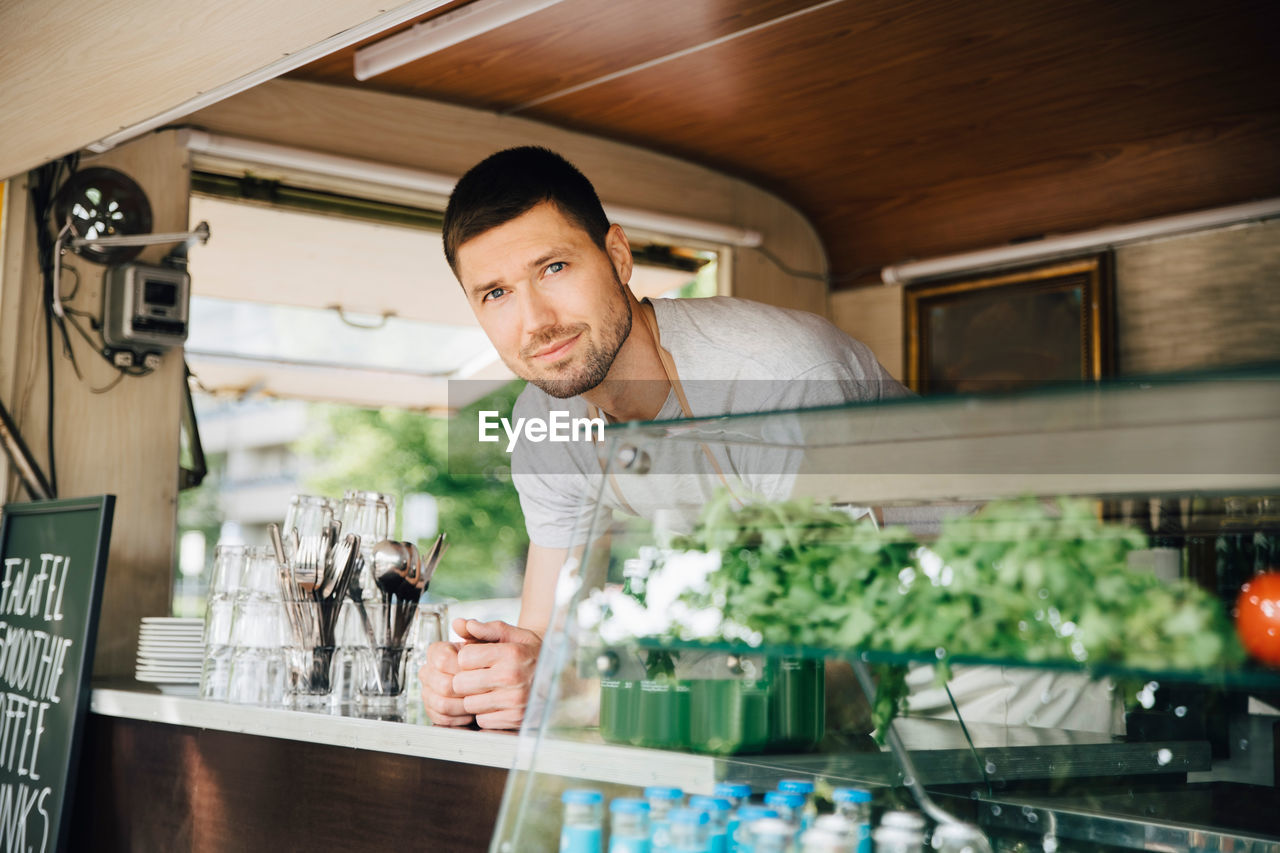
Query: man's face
{"type": "Point", "coordinates": [549, 298]}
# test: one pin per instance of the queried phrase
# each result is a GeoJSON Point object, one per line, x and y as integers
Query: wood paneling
{"type": "Point", "coordinates": [908, 129]}
{"type": "Point", "coordinates": [448, 139]}
{"type": "Point", "coordinates": [1206, 300]}
{"type": "Point", "coordinates": [75, 71]}
{"type": "Point", "coordinates": [13, 225]}
{"type": "Point", "coordinates": [124, 441]}
{"type": "Point", "coordinates": [566, 45]}
{"type": "Point", "coordinates": [150, 786]}
{"type": "Point", "coordinates": [874, 315]}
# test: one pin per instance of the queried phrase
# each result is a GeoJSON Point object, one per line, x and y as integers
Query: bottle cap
{"type": "Point", "coordinates": [736, 790]}
{"type": "Point", "coordinates": [710, 804]}
{"type": "Point", "coordinates": [796, 786]}
{"type": "Point", "coordinates": [850, 795]}
{"type": "Point", "coordinates": [746, 814]}
{"type": "Point", "coordinates": [581, 797]}
{"type": "Point", "coordinates": [628, 805]}
{"type": "Point", "coordinates": [784, 798]}
{"type": "Point", "coordinates": [657, 792]}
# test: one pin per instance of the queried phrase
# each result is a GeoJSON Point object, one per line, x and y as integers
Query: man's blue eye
{"type": "Point", "coordinates": [556, 267]}
{"type": "Point", "coordinates": [496, 292]}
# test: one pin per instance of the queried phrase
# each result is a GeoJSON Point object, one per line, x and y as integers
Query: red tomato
{"type": "Point", "coordinates": [1258, 617]}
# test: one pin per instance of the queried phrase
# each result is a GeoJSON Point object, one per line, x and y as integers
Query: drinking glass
{"type": "Point", "coordinates": [259, 633]}
{"type": "Point", "coordinates": [380, 668]}
{"type": "Point", "coordinates": [309, 515]}
{"type": "Point", "coordinates": [257, 676]}
{"type": "Point", "coordinates": [310, 683]}
{"type": "Point", "coordinates": [431, 625]}
{"type": "Point", "coordinates": [215, 673]}
{"type": "Point", "coordinates": [351, 638]}
{"type": "Point", "coordinates": [228, 566]}
{"type": "Point", "coordinates": [371, 516]}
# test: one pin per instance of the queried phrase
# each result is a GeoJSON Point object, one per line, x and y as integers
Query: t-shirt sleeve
{"type": "Point", "coordinates": [555, 506]}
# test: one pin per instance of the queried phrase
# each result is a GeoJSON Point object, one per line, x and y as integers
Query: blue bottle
{"type": "Point", "coordinates": [737, 793]}
{"type": "Point", "coordinates": [740, 841]}
{"type": "Point", "coordinates": [790, 807]}
{"type": "Point", "coordinates": [690, 831]}
{"type": "Point", "coordinates": [854, 804]}
{"type": "Point", "coordinates": [629, 826]}
{"type": "Point", "coordinates": [718, 808]}
{"type": "Point", "coordinates": [661, 802]}
{"type": "Point", "coordinates": [583, 827]}
{"type": "Point", "coordinates": [804, 787]}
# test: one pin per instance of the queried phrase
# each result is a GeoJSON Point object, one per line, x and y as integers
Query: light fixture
{"type": "Point", "coordinates": [248, 152]}
{"type": "Point", "coordinates": [102, 203]}
{"type": "Point", "coordinates": [1083, 241]}
{"type": "Point", "coordinates": [443, 31]}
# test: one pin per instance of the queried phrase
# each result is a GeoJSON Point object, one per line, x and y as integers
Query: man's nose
{"type": "Point", "coordinates": [536, 310]}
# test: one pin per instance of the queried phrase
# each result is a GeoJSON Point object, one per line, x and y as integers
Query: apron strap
{"type": "Point", "coordinates": [673, 376]}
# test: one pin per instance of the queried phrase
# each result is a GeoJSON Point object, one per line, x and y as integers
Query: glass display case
{"type": "Point", "coordinates": [1013, 612]}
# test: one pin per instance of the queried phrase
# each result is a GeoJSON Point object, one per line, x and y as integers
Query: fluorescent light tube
{"type": "Point", "coordinates": [1068, 244]}
{"type": "Point", "coordinates": [250, 152]}
{"type": "Point", "coordinates": [443, 31]}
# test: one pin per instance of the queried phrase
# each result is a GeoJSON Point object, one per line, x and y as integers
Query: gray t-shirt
{"type": "Point", "coordinates": [732, 356]}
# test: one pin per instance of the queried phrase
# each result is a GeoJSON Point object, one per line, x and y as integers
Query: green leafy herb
{"type": "Point", "coordinates": [1017, 580]}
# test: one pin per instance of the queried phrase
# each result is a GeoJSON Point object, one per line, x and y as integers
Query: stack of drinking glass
{"type": "Point", "coordinates": [327, 617]}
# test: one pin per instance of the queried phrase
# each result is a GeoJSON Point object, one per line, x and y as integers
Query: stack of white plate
{"type": "Point", "coordinates": [170, 650]}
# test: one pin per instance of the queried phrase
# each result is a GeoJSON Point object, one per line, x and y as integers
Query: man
{"type": "Point", "coordinates": [546, 274]}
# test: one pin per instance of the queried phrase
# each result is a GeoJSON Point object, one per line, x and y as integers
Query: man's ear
{"type": "Point", "coordinates": [619, 249]}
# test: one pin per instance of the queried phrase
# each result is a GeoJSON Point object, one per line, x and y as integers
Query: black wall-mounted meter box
{"type": "Point", "coordinates": [145, 306]}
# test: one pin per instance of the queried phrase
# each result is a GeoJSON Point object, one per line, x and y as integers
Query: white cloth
{"type": "Point", "coordinates": [733, 356]}
{"type": "Point", "coordinates": [1017, 696]}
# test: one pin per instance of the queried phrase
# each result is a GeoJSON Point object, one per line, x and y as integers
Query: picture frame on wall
{"type": "Point", "coordinates": [1049, 324]}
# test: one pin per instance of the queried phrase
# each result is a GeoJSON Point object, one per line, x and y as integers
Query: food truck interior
{"type": "Point", "coordinates": [864, 161]}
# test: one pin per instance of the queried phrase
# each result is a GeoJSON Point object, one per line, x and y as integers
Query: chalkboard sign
{"type": "Point", "coordinates": [54, 557]}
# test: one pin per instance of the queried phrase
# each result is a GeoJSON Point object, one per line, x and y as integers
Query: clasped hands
{"type": "Point", "coordinates": [485, 678]}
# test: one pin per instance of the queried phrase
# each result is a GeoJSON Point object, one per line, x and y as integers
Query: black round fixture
{"type": "Point", "coordinates": [103, 202]}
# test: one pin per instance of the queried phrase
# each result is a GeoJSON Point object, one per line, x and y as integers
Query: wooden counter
{"type": "Point", "coordinates": [168, 773]}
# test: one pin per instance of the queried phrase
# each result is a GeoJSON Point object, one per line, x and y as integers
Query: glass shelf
{"type": "Point", "coordinates": [1212, 433]}
{"type": "Point", "coordinates": [1248, 677]}
{"type": "Point", "coordinates": [1064, 730]}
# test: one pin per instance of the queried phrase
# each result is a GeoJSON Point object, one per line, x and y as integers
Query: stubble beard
{"type": "Point", "coordinates": [595, 360]}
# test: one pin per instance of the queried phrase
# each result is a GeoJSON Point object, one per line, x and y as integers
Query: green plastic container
{"type": "Point", "coordinates": [778, 708]}
{"type": "Point", "coordinates": [730, 716]}
{"type": "Point", "coordinates": [798, 710]}
{"type": "Point", "coordinates": [617, 705]}
{"type": "Point", "coordinates": [661, 718]}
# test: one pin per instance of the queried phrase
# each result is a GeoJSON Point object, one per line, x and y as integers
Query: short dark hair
{"type": "Point", "coordinates": [508, 184]}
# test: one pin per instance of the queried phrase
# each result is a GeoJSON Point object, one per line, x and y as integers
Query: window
{"type": "Point", "coordinates": [324, 336]}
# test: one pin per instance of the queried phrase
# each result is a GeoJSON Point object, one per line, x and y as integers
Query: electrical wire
{"type": "Point", "coordinates": [44, 184]}
{"type": "Point", "coordinates": [112, 384]}
{"type": "Point", "coordinates": [814, 276]}
{"type": "Point", "coordinates": [67, 297]}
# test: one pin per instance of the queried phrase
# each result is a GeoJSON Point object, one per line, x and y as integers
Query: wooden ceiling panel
{"type": "Point", "coordinates": [565, 45]}
{"type": "Point", "coordinates": [906, 128]}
